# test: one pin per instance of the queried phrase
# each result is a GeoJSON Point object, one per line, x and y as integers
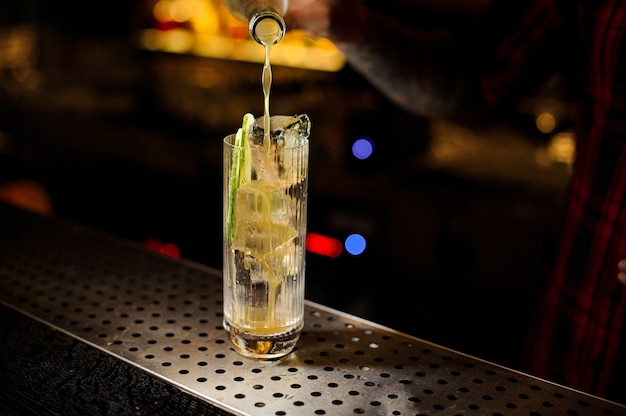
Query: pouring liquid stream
{"type": "Point", "coordinates": [268, 33]}
{"type": "Point", "coordinates": [267, 86]}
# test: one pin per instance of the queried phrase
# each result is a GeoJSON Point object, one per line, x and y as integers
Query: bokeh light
{"type": "Point", "coordinates": [355, 244]}
{"type": "Point", "coordinates": [323, 245]}
{"type": "Point", "coordinates": [363, 148]}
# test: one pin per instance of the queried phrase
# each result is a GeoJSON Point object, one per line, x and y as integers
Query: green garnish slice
{"type": "Point", "coordinates": [240, 170]}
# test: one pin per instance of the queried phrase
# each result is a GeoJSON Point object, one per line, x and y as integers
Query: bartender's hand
{"type": "Point", "coordinates": [621, 275]}
{"type": "Point", "coordinates": [337, 20]}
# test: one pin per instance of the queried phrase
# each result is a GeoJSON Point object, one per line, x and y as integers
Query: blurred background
{"type": "Point", "coordinates": [112, 115]}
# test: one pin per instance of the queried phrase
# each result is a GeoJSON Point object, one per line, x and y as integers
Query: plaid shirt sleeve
{"type": "Point", "coordinates": [578, 338]}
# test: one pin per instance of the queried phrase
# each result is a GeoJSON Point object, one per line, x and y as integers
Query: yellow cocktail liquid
{"type": "Point", "coordinates": [265, 308]}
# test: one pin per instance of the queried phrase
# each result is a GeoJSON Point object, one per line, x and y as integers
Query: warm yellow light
{"type": "Point", "coordinates": [326, 47]}
{"type": "Point", "coordinates": [205, 19]}
{"type": "Point", "coordinates": [181, 10]}
{"type": "Point", "coordinates": [177, 41]}
{"type": "Point", "coordinates": [173, 10]}
{"type": "Point", "coordinates": [161, 11]}
{"type": "Point", "coordinates": [150, 39]}
{"type": "Point", "coordinates": [545, 122]}
{"type": "Point", "coordinates": [290, 54]}
{"type": "Point", "coordinates": [562, 148]}
{"type": "Point", "coordinates": [213, 32]}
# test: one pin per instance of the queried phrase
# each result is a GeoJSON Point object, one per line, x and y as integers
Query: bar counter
{"type": "Point", "coordinates": [93, 324]}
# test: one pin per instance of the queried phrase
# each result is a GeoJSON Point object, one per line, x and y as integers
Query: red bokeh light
{"type": "Point", "coordinates": [167, 249]}
{"type": "Point", "coordinates": [323, 245]}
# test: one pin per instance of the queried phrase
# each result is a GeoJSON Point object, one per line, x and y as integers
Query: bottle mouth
{"type": "Point", "coordinates": [267, 28]}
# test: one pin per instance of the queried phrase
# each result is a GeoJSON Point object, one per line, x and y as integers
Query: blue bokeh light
{"type": "Point", "coordinates": [362, 148]}
{"type": "Point", "coordinates": [355, 244]}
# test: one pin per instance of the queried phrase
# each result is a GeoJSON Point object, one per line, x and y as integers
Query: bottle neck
{"type": "Point", "coordinates": [266, 27]}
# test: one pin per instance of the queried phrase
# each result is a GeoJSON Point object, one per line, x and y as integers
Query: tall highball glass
{"type": "Point", "coordinates": [264, 207]}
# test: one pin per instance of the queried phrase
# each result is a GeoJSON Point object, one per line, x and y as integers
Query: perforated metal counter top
{"type": "Point", "coordinates": [164, 316]}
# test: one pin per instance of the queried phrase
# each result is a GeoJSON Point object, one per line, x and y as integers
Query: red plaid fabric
{"type": "Point", "coordinates": [579, 337]}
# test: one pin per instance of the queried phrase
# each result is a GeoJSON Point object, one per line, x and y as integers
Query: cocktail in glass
{"type": "Point", "coordinates": [265, 201]}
